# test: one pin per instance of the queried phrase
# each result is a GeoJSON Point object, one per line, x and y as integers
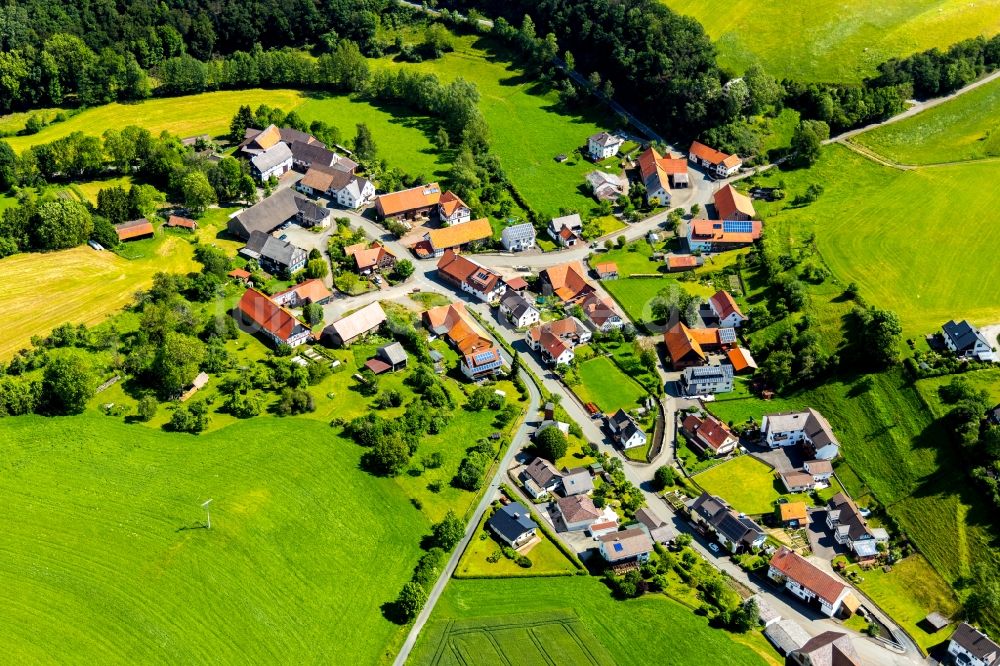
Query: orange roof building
{"type": "Point", "coordinates": [567, 282]}
{"type": "Point", "coordinates": [310, 291]}
{"type": "Point", "coordinates": [412, 203]}
{"type": "Point", "coordinates": [683, 262]}
{"type": "Point", "coordinates": [485, 284]}
{"type": "Point", "coordinates": [730, 204]}
{"type": "Point", "coordinates": [809, 582]}
{"type": "Point", "coordinates": [722, 164]}
{"type": "Point", "coordinates": [717, 235]}
{"type": "Point", "coordinates": [793, 511]}
{"type": "Point", "coordinates": [240, 274]}
{"type": "Point", "coordinates": [134, 230]}
{"type": "Point", "coordinates": [452, 210]}
{"type": "Point", "coordinates": [480, 357]}
{"type": "Point", "coordinates": [181, 222]}
{"type": "Point", "coordinates": [683, 348]}
{"type": "Point", "coordinates": [370, 257]}
{"type": "Point", "coordinates": [265, 316]}
{"type": "Point", "coordinates": [661, 173]}
{"type": "Point", "coordinates": [741, 360]}
{"type": "Point", "coordinates": [459, 235]}
{"type": "Point", "coordinates": [607, 270]}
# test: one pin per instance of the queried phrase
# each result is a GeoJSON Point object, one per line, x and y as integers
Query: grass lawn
{"type": "Point", "coordinates": [988, 380]}
{"type": "Point", "coordinates": [893, 232]}
{"type": "Point", "coordinates": [207, 113]}
{"type": "Point", "coordinates": [529, 126]}
{"type": "Point", "coordinates": [908, 593]}
{"type": "Point", "coordinates": [78, 285]}
{"type": "Point", "coordinates": [747, 484]}
{"type": "Point", "coordinates": [88, 191]}
{"type": "Point", "coordinates": [14, 122]}
{"type": "Point", "coordinates": [602, 383]}
{"type": "Point", "coordinates": [835, 41]}
{"type": "Point", "coordinates": [636, 257]}
{"type": "Point", "coordinates": [636, 294]}
{"type": "Point", "coordinates": [966, 128]}
{"type": "Point", "coordinates": [545, 558]}
{"type": "Point", "coordinates": [571, 621]}
{"type": "Point", "coordinates": [105, 557]}
{"type": "Point", "coordinates": [609, 224]}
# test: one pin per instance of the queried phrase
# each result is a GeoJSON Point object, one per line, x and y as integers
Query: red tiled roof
{"type": "Point", "coordinates": [709, 430]}
{"type": "Point", "coordinates": [460, 234]}
{"type": "Point", "coordinates": [805, 574]}
{"type": "Point", "coordinates": [178, 221]}
{"type": "Point", "coordinates": [239, 274]}
{"type": "Point", "coordinates": [729, 201]}
{"type": "Point", "coordinates": [404, 201]}
{"type": "Point", "coordinates": [741, 359]}
{"type": "Point", "coordinates": [725, 304]}
{"type": "Point", "coordinates": [568, 281]}
{"type": "Point", "coordinates": [609, 267]}
{"type": "Point", "coordinates": [703, 152]}
{"type": "Point", "coordinates": [267, 314]}
{"type": "Point", "coordinates": [682, 261]}
{"type": "Point", "coordinates": [712, 230]}
{"type": "Point", "coordinates": [450, 202]}
{"type": "Point", "coordinates": [377, 366]}
{"type": "Point", "coordinates": [680, 343]}
{"type": "Point", "coordinates": [313, 290]}
{"type": "Point", "coordinates": [134, 229]}
{"type": "Point", "coordinates": [517, 284]}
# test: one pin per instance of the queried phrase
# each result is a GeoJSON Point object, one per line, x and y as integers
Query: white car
{"type": "Point", "coordinates": [714, 547]}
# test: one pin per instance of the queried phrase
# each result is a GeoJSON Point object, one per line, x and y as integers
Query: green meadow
{"type": "Point", "coordinates": [834, 41]}
{"type": "Point", "coordinates": [966, 128]}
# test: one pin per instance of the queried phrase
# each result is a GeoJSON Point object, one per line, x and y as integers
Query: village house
{"type": "Point", "coordinates": [797, 482]}
{"type": "Point", "coordinates": [625, 431]}
{"type": "Point", "coordinates": [965, 341]}
{"type": "Point", "coordinates": [658, 530]}
{"type": "Point", "coordinates": [256, 141]}
{"type": "Point", "coordinates": [687, 347]}
{"type": "Point", "coordinates": [721, 235]}
{"type": "Point", "coordinates": [808, 428]}
{"type": "Point", "coordinates": [849, 527]}
{"type": "Point", "coordinates": [134, 230]}
{"type": "Point", "coordinates": [304, 293]}
{"type": "Point", "coordinates": [479, 357]}
{"type": "Point", "coordinates": [578, 512]}
{"type": "Point", "coordinates": [603, 145]}
{"type": "Point", "coordinates": [452, 210]}
{"type": "Point", "coordinates": [786, 636]}
{"type": "Point", "coordinates": [240, 275]}
{"type": "Point", "coordinates": [458, 237]}
{"type": "Point", "coordinates": [518, 311]}
{"type": "Point", "coordinates": [512, 524]}
{"type": "Point", "coordinates": [518, 237]}
{"type": "Point", "coordinates": [709, 434]}
{"type": "Point", "coordinates": [631, 545]}
{"type": "Point", "coordinates": [677, 263]}
{"type": "Point", "coordinates": [274, 162]}
{"type": "Point", "coordinates": [354, 326]}
{"type": "Point", "coordinates": [793, 514]}
{"type": "Point", "coordinates": [820, 470]}
{"type": "Point", "coordinates": [718, 163]}
{"type": "Point", "coordinates": [567, 282]}
{"type": "Point", "coordinates": [831, 648]}
{"type": "Point", "coordinates": [724, 307]}
{"type": "Point", "coordinates": [566, 230]}
{"type": "Point", "coordinates": [733, 531]}
{"type": "Point", "coordinates": [540, 478]}
{"type": "Point", "coordinates": [577, 481]}
{"type": "Point", "coordinates": [600, 313]}
{"type": "Point", "coordinates": [306, 155]}
{"type": "Point", "coordinates": [483, 283]}
{"type": "Point", "coordinates": [606, 271]}
{"type": "Point", "coordinates": [371, 257]}
{"type": "Point", "coordinates": [274, 322]}
{"type": "Point", "coordinates": [280, 208]}
{"type": "Point", "coordinates": [811, 584]}
{"type": "Point", "coordinates": [660, 175]}
{"type": "Point", "coordinates": [607, 186]}
{"type": "Point", "coordinates": [411, 204]}
{"type": "Point", "coordinates": [707, 379]}
{"type": "Point", "coordinates": [555, 340]}
{"type": "Point", "coordinates": [343, 187]}
{"type": "Point", "coordinates": [274, 256]}
{"type": "Point", "coordinates": [971, 647]}
{"type": "Point", "coordinates": [730, 204]}
{"type": "Point", "coordinates": [741, 360]}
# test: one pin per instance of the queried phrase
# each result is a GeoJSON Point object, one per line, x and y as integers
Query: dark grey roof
{"type": "Point", "coordinates": [646, 517]}
{"type": "Point", "coordinates": [267, 215]}
{"type": "Point", "coordinates": [514, 302]}
{"type": "Point", "coordinates": [272, 157]}
{"type": "Point", "coordinates": [393, 353]}
{"type": "Point", "coordinates": [312, 153]}
{"type": "Point", "coordinates": [512, 521]}
{"type": "Point", "coordinates": [707, 506]}
{"type": "Point", "coordinates": [976, 643]}
{"type": "Point", "coordinates": [542, 472]}
{"type": "Point", "coordinates": [963, 334]}
{"type": "Point", "coordinates": [290, 136]}
{"type": "Point", "coordinates": [310, 211]}
{"type": "Point", "coordinates": [278, 251]}
{"type": "Point", "coordinates": [831, 648]}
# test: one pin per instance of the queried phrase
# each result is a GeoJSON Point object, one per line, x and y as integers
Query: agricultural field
{"type": "Point", "coordinates": [966, 128]}
{"type": "Point", "coordinates": [529, 126]}
{"type": "Point", "coordinates": [129, 573]}
{"type": "Point", "coordinates": [892, 232]}
{"type": "Point", "coordinates": [79, 285]}
{"type": "Point", "coordinates": [574, 620]}
{"type": "Point", "coordinates": [835, 42]}
{"type": "Point", "coordinates": [207, 113]}
{"type": "Point", "coordinates": [602, 383]}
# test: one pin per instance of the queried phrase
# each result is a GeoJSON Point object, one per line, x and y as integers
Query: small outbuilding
{"type": "Point", "coordinates": [394, 355]}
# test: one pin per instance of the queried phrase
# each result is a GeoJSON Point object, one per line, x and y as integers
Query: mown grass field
{"type": "Point", "coordinates": [529, 126]}
{"type": "Point", "coordinates": [41, 291]}
{"type": "Point", "coordinates": [908, 238]}
{"type": "Point", "coordinates": [750, 486]}
{"type": "Point", "coordinates": [105, 556]}
{"type": "Point", "coordinates": [604, 384]}
{"type": "Point", "coordinates": [545, 558]}
{"type": "Point", "coordinates": [838, 42]}
{"type": "Point", "coordinates": [472, 612]}
{"type": "Point", "coordinates": [207, 113]}
{"type": "Point", "coordinates": [987, 380]}
{"type": "Point", "coordinates": [966, 128]}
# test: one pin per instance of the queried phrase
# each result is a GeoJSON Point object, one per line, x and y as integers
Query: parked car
{"type": "Point", "coordinates": [714, 547]}
{"type": "Point", "coordinates": [283, 237]}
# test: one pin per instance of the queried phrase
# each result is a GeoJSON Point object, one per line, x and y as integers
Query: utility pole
{"type": "Point", "coordinates": [208, 514]}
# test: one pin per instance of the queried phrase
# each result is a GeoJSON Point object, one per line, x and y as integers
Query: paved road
{"type": "Point", "coordinates": [517, 443]}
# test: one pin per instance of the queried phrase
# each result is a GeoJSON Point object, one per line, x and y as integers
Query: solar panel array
{"type": "Point", "coordinates": [485, 357]}
{"type": "Point", "coordinates": [727, 335]}
{"type": "Point", "coordinates": [737, 226]}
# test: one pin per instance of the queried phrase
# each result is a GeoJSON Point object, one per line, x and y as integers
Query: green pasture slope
{"type": "Point", "coordinates": [105, 559]}
{"type": "Point", "coordinates": [838, 41]}
{"type": "Point", "coordinates": [574, 622]}
{"type": "Point", "coordinates": [966, 128]}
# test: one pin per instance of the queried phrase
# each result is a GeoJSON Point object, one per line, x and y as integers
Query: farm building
{"type": "Point", "coordinates": [134, 230]}
{"type": "Point", "coordinates": [354, 326]}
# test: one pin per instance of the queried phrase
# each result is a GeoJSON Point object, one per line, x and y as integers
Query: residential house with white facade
{"type": "Point", "coordinates": [518, 237]}
{"type": "Point", "coordinates": [971, 647]}
{"type": "Point", "coordinates": [724, 306]}
{"type": "Point", "coordinates": [966, 341]}
{"type": "Point", "coordinates": [518, 311]}
{"type": "Point", "coordinates": [483, 283]}
{"type": "Point", "coordinates": [625, 431]}
{"type": "Point", "coordinates": [603, 145]}
{"type": "Point", "coordinates": [566, 230]}
{"type": "Point", "coordinates": [810, 584]}
{"type": "Point", "coordinates": [707, 379]}
{"type": "Point", "coordinates": [808, 428]}
{"type": "Point", "coordinates": [555, 340]}
{"type": "Point", "coordinates": [452, 210]}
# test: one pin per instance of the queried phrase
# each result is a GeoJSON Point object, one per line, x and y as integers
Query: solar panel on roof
{"type": "Point", "coordinates": [618, 548]}
{"type": "Point", "coordinates": [483, 358]}
{"type": "Point", "coordinates": [737, 226]}
{"type": "Point", "coordinates": [727, 335]}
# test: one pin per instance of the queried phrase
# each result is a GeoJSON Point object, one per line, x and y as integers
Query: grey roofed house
{"type": "Point", "coordinates": [271, 252]}
{"type": "Point", "coordinates": [626, 544]}
{"type": "Point", "coordinates": [347, 329]}
{"type": "Point", "coordinates": [311, 154]}
{"type": "Point", "coordinates": [962, 334]}
{"type": "Point", "coordinates": [542, 472]}
{"type": "Point", "coordinates": [707, 506]}
{"type": "Point", "coordinates": [265, 216]}
{"type": "Point", "coordinates": [577, 481]}
{"type": "Point", "coordinates": [607, 185]}
{"type": "Point", "coordinates": [272, 157]}
{"type": "Point", "coordinates": [518, 236]}
{"type": "Point", "coordinates": [787, 636]}
{"type": "Point", "coordinates": [658, 530]}
{"type": "Point", "coordinates": [976, 643]}
{"type": "Point", "coordinates": [393, 354]}
{"type": "Point", "coordinates": [605, 139]}
{"type": "Point", "coordinates": [514, 302]}
{"type": "Point", "coordinates": [577, 509]}
{"type": "Point", "coordinates": [737, 529]}
{"type": "Point", "coordinates": [831, 648]}
{"type": "Point", "coordinates": [622, 425]}
{"type": "Point", "coordinates": [511, 522]}
{"type": "Point", "coordinates": [310, 213]}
